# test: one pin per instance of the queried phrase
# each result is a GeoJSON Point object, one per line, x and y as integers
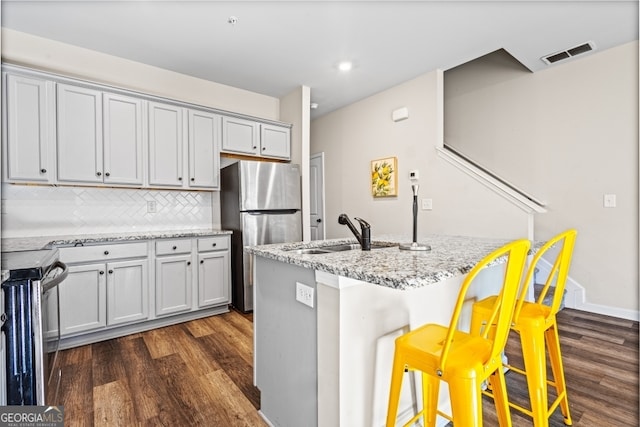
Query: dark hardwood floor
{"type": "Point", "coordinates": [200, 373]}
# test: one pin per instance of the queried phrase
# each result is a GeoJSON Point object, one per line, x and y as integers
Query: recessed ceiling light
{"type": "Point", "coordinates": [345, 66]}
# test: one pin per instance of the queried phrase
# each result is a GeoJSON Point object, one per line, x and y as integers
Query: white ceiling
{"type": "Point", "coordinates": [276, 46]}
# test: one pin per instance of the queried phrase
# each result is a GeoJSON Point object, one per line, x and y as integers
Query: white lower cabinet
{"type": "Point", "coordinates": [127, 291]}
{"type": "Point", "coordinates": [83, 299]}
{"type": "Point", "coordinates": [110, 287]}
{"type": "Point", "coordinates": [213, 278]}
{"type": "Point", "coordinates": [173, 284]}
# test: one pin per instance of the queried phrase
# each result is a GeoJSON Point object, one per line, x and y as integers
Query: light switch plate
{"type": "Point", "coordinates": [427, 204]}
{"type": "Point", "coordinates": [609, 201]}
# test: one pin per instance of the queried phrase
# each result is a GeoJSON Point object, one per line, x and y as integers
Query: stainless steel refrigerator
{"type": "Point", "coordinates": [260, 202]}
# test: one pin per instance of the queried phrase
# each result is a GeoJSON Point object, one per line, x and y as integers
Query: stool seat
{"type": "Point", "coordinates": [462, 360]}
{"type": "Point", "coordinates": [535, 322]}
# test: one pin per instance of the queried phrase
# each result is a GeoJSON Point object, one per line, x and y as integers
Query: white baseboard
{"type": "Point", "coordinates": [576, 297]}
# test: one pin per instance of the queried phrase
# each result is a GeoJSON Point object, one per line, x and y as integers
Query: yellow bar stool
{"type": "Point", "coordinates": [461, 359]}
{"type": "Point", "coordinates": [535, 322]}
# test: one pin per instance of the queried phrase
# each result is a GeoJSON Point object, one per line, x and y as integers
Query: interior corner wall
{"type": "Point", "coordinates": [355, 135]}
{"type": "Point", "coordinates": [295, 109]}
{"type": "Point", "coordinates": [568, 135]}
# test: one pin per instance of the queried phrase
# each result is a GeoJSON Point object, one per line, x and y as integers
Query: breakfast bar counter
{"type": "Point", "coordinates": [325, 322]}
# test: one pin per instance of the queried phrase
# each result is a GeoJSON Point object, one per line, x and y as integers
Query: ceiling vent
{"type": "Point", "coordinates": [569, 53]}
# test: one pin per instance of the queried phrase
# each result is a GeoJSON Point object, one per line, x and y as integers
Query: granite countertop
{"type": "Point", "coordinates": [391, 267]}
{"type": "Point", "coordinates": [44, 242]}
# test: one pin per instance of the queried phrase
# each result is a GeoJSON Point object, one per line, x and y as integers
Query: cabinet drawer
{"type": "Point", "coordinates": [213, 243]}
{"type": "Point", "coordinates": [79, 254]}
{"type": "Point", "coordinates": [170, 247]}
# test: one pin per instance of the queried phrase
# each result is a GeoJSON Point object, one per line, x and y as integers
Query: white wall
{"type": "Point", "coordinates": [583, 162]}
{"type": "Point", "coordinates": [355, 135]}
{"type": "Point", "coordinates": [49, 55]}
{"type": "Point", "coordinates": [568, 135]}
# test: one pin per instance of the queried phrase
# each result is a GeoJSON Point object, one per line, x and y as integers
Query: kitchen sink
{"type": "Point", "coordinates": [339, 248]}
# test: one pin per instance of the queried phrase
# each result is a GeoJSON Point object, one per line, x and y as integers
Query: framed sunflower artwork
{"type": "Point", "coordinates": [384, 178]}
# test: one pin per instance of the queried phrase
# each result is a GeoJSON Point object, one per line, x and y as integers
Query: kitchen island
{"type": "Point", "coordinates": [329, 364]}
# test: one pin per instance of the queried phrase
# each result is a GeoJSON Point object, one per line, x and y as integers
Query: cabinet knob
{"type": "Point", "coordinates": [319, 220]}
{"type": "Point", "coordinates": [188, 262]}
{"type": "Point", "coordinates": [264, 148]}
{"type": "Point", "coordinates": [193, 179]}
{"type": "Point", "coordinates": [43, 170]}
{"type": "Point", "coordinates": [98, 173]}
{"type": "Point", "coordinates": [106, 252]}
{"type": "Point", "coordinates": [175, 247]}
{"type": "Point", "coordinates": [107, 174]}
{"type": "Point", "coordinates": [179, 178]}
{"type": "Point", "coordinates": [201, 261]}
{"type": "Point", "coordinates": [110, 271]}
{"type": "Point", "coordinates": [101, 272]}
{"type": "Point", "coordinates": [254, 147]}
{"type": "Point", "coordinates": [214, 245]}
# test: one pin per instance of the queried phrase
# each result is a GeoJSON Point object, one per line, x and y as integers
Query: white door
{"type": "Point", "coordinates": [165, 145]}
{"type": "Point", "coordinates": [213, 278]}
{"type": "Point", "coordinates": [316, 209]}
{"type": "Point", "coordinates": [28, 136]}
{"type": "Point", "coordinates": [79, 134]}
{"type": "Point", "coordinates": [122, 140]}
{"type": "Point", "coordinates": [204, 149]}
{"type": "Point", "coordinates": [173, 284]}
{"type": "Point", "coordinates": [127, 291]}
{"type": "Point", "coordinates": [83, 299]}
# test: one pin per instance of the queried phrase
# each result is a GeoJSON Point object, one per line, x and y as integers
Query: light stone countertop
{"type": "Point", "coordinates": [391, 267]}
{"type": "Point", "coordinates": [43, 242]}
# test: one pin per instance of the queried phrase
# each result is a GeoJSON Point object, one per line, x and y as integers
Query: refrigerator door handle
{"type": "Point", "coordinates": [273, 212]}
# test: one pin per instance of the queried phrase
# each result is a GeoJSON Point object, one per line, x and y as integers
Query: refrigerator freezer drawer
{"type": "Point", "coordinates": [265, 228]}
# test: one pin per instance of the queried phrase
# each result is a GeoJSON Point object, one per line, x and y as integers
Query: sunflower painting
{"type": "Point", "coordinates": [383, 177]}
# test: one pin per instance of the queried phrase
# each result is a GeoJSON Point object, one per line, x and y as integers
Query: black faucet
{"type": "Point", "coordinates": [365, 238]}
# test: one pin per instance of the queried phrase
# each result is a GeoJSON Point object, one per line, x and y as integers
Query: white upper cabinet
{"type": "Point", "coordinates": [275, 141]}
{"type": "Point", "coordinates": [79, 134]}
{"type": "Point", "coordinates": [240, 136]}
{"type": "Point", "coordinates": [29, 134]}
{"type": "Point", "coordinates": [165, 145]}
{"type": "Point", "coordinates": [58, 130]}
{"type": "Point", "coordinates": [204, 149]}
{"type": "Point", "coordinates": [123, 138]}
{"type": "Point", "coordinates": [244, 136]}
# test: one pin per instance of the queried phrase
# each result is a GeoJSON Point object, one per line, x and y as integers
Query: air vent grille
{"type": "Point", "coordinates": [569, 53]}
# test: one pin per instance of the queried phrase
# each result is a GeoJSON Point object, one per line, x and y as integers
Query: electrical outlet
{"type": "Point", "coordinates": [414, 174]}
{"type": "Point", "coordinates": [304, 294]}
{"type": "Point", "coordinates": [151, 206]}
{"type": "Point", "coordinates": [427, 204]}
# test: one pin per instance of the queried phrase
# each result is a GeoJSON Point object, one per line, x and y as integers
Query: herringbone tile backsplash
{"type": "Point", "coordinates": [41, 210]}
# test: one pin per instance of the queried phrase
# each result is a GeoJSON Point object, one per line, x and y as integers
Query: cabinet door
{"type": "Point", "coordinates": [204, 149]}
{"type": "Point", "coordinates": [127, 291]}
{"type": "Point", "coordinates": [240, 135]}
{"type": "Point", "coordinates": [173, 284]}
{"type": "Point", "coordinates": [79, 134]}
{"type": "Point", "coordinates": [122, 140]}
{"type": "Point", "coordinates": [165, 145]}
{"type": "Point", "coordinates": [275, 141]}
{"type": "Point", "coordinates": [83, 299]}
{"type": "Point", "coordinates": [213, 278]}
{"type": "Point", "coordinates": [28, 136]}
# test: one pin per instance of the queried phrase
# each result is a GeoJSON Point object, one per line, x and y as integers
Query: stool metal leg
{"type": "Point", "coordinates": [535, 365]}
{"type": "Point", "coordinates": [555, 358]}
